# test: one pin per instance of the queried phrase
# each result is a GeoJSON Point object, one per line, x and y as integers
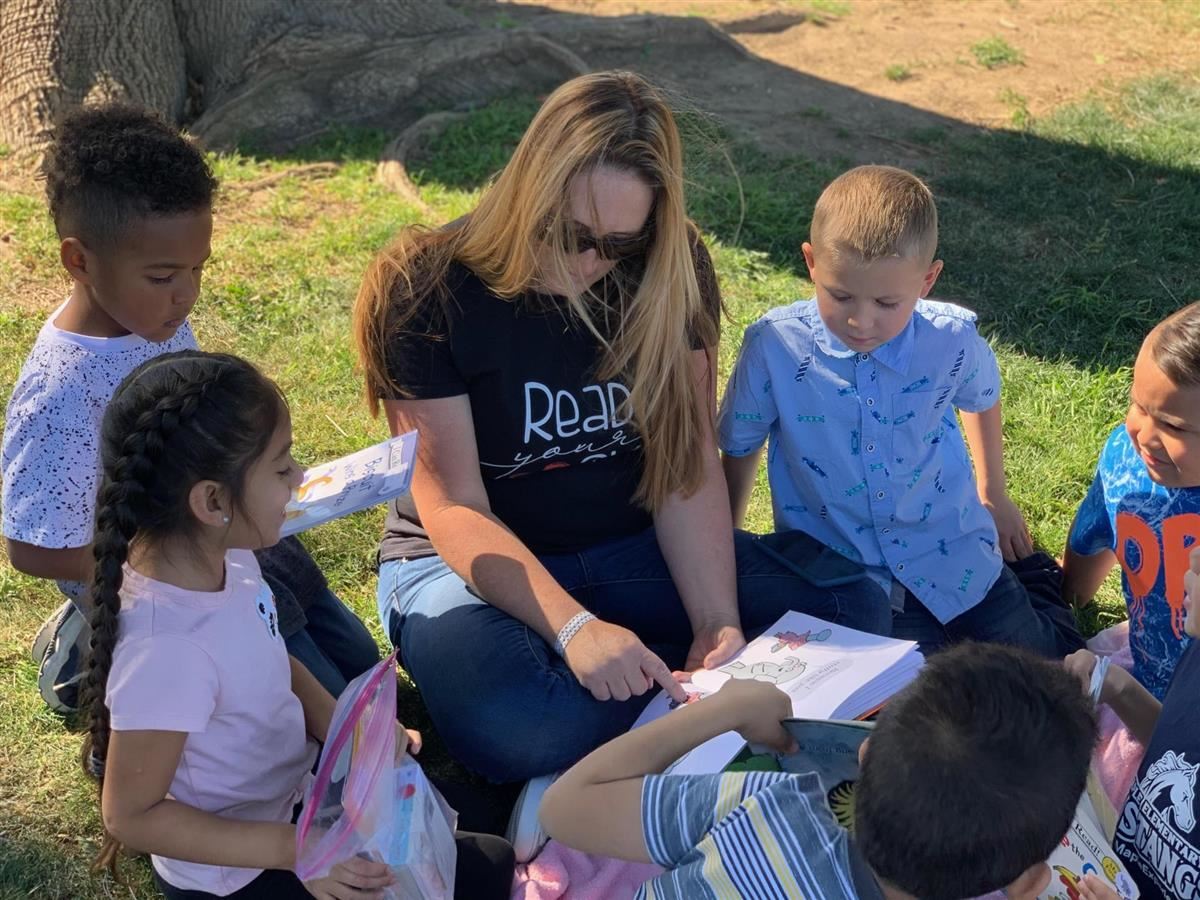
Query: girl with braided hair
{"type": "Point", "coordinates": [200, 725]}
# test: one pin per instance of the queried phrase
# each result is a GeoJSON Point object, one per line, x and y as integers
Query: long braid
{"type": "Point", "coordinates": [125, 505]}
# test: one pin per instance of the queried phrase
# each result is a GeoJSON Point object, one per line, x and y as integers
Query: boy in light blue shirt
{"type": "Point", "coordinates": [855, 393]}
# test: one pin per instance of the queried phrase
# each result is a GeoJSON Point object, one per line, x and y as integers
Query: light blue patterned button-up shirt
{"type": "Point", "coordinates": [865, 452]}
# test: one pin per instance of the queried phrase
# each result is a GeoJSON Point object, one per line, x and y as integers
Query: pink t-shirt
{"type": "Point", "coordinates": [213, 665]}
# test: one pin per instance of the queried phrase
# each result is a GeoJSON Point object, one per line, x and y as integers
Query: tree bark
{"type": "Point", "coordinates": [267, 73]}
{"type": "Point", "coordinates": [58, 54]}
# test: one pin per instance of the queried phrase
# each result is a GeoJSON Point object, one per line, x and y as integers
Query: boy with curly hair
{"type": "Point", "coordinates": [132, 203]}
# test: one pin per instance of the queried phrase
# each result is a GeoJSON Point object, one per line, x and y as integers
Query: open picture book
{"type": "Point", "coordinates": [829, 671]}
{"type": "Point", "coordinates": [363, 479]}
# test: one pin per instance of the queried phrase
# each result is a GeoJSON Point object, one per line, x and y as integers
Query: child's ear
{"type": "Point", "coordinates": [1029, 883]}
{"type": "Point", "coordinates": [931, 277]}
{"type": "Point", "coordinates": [807, 249]}
{"type": "Point", "coordinates": [862, 751]}
{"type": "Point", "coordinates": [76, 259]}
{"type": "Point", "coordinates": [208, 503]}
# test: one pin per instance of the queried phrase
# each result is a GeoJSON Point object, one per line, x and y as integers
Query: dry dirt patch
{"type": "Point", "coordinates": [915, 53]}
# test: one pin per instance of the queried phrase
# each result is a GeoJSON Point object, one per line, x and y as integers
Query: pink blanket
{"type": "Point", "coordinates": [560, 873]}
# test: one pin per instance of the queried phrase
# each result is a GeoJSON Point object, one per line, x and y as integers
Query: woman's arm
{"type": "Point", "coordinates": [695, 535]}
{"type": "Point", "coordinates": [139, 768]}
{"type": "Point", "coordinates": [608, 660]}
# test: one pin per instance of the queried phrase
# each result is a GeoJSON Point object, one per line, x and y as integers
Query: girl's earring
{"type": "Point", "coordinates": [225, 519]}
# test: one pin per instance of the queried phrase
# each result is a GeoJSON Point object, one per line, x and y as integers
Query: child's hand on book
{"type": "Point", "coordinates": [757, 710]}
{"type": "Point", "coordinates": [1091, 887]}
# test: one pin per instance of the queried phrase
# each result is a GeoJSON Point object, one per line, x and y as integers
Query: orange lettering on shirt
{"type": "Point", "coordinates": [1176, 531]}
{"type": "Point", "coordinates": [1141, 581]}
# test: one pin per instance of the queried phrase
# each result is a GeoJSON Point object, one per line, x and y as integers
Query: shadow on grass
{"type": "Point", "coordinates": [1071, 237]}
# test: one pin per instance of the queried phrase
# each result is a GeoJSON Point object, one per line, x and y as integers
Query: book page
{"type": "Point", "coordinates": [818, 664]}
{"type": "Point", "coordinates": [363, 479]}
{"type": "Point", "coordinates": [1085, 851]}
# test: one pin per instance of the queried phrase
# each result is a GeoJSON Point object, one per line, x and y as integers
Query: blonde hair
{"type": "Point", "coordinates": [876, 212]}
{"type": "Point", "coordinates": [613, 119]}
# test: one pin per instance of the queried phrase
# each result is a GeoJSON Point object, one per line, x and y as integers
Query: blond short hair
{"type": "Point", "coordinates": [876, 212]}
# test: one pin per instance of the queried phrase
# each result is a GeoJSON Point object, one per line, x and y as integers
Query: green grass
{"type": "Point", "coordinates": [1071, 238]}
{"type": "Point", "coordinates": [996, 52]}
{"type": "Point", "coordinates": [1018, 105]}
{"type": "Point", "coordinates": [898, 72]}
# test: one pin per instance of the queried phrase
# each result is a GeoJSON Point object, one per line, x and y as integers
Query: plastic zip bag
{"type": "Point", "coordinates": [361, 803]}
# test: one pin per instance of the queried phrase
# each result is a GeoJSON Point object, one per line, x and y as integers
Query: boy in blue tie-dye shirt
{"type": "Point", "coordinates": [1143, 509]}
{"type": "Point", "coordinates": [856, 392]}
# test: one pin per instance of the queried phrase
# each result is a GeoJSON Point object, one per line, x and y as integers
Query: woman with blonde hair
{"type": "Point", "coordinates": [556, 350]}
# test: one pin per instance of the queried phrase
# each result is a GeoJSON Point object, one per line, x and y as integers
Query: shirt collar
{"type": "Point", "coordinates": [896, 354]}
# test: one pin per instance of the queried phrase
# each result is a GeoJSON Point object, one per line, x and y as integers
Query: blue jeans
{"type": "Point", "coordinates": [507, 706]}
{"type": "Point", "coordinates": [335, 645]}
{"type": "Point", "coordinates": [1023, 608]}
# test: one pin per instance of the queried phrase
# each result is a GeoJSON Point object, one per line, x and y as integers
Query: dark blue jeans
{"type": "Point", "coordinates": [1023, 608]}
{"type": "Point", "coordinates": [335, 645]}
{"type": "Point", "coordinates": [507, 706]}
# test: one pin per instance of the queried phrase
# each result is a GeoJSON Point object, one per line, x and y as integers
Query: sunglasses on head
{"type": "Point", "coordinates": [610, 248]}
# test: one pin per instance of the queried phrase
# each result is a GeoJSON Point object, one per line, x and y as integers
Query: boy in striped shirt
{"type": "Point", "coordinates": [969, 781]}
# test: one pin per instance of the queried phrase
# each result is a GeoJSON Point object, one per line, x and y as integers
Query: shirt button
{"type": "Point", "coordinates": [870, 401]}
{"type": "Point", "coordinates": [863, 357]}
{"type": "Point", "coordinates": [900, 567]}
{"type": "Point", "coordinates": [887, 531]}
{"type": "Point", "coordinates": [879, 495]}
{"type": "Point", "coordinates": [870, 448]}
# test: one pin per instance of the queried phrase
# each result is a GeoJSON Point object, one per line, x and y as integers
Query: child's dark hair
{"type": "Point", "coordinates": [973, 772]}
{"type": "Point", "coordinates": [111, 165]}
{"type": "Point", "coordinates": [177, 419]}
{"type": "Point", "coordinates": [1175, 345]}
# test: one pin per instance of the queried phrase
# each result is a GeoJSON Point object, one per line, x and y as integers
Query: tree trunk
{"type": "Point", "coordinates": [263, 73]}
{"type": "Point", "coordinates": [57, 54]}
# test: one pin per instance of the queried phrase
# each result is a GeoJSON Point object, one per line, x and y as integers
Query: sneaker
{"type": "Point", "coordinates": [45, 634]}
{"type": "Point", "coordinates": [524, 827]}
{"type": "Point", "coordinates": [62, 641]}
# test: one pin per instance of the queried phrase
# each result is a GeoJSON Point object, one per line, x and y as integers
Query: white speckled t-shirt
{"type": "Point", "coordinates": [50, 457]}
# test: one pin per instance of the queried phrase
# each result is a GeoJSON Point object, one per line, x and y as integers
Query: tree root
{"type": "Point", "coordinates": [392, 171]}
{"type": "Point", "coordinates": [309, 170]}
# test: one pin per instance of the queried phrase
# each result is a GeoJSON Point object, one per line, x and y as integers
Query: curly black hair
{"type": "Point", "coordinates": [113, 164]}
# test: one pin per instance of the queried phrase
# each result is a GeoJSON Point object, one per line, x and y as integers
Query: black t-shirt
{"type": "Point", "coordinates": [559, 461]}
{"type": "Point", "coordinates": [1157, 834]}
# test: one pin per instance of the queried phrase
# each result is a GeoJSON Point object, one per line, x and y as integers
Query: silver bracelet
{"type": "Point", "coordinates": [569, 631]}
